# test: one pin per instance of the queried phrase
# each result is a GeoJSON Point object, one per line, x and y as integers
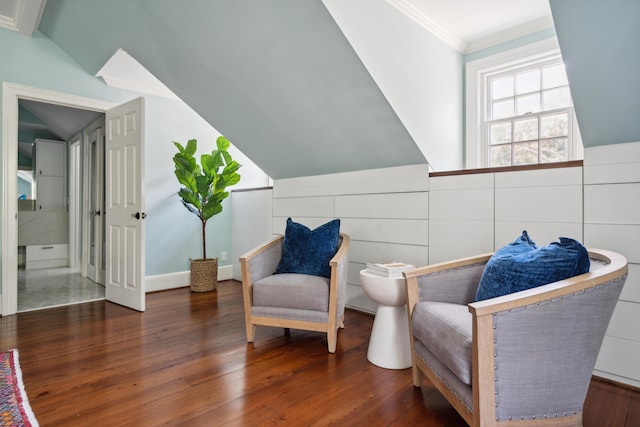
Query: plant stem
{"type": "Point", "coordinates": [204, 240]}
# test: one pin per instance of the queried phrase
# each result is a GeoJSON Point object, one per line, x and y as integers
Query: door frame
{"type": "Point", "coordinates": [11, 93]}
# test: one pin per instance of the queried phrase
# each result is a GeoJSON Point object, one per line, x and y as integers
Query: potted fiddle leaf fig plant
{"type": "Point", "coordinates": [204, 190]}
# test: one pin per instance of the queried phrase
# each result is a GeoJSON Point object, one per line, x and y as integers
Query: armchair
{"type": "Point", "coordinates": [298, 301]}
{"type": "Point", "coordinates": [523, 358]}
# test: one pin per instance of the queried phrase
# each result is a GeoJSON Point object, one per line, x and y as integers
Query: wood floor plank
{"type": "Point", "coordinates": [185, 361]}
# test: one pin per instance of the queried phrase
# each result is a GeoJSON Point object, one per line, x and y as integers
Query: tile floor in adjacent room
{"type": "Point", "coordinates": [54, 287]}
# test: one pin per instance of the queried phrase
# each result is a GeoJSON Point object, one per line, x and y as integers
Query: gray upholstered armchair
{"type": "Point", "coordinates": [525, 357]}
{"type": "Point", "coordinates": [297, 301]}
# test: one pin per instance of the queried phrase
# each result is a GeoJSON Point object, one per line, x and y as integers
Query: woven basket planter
{"type": "Point", "coordinates": [204, 274]}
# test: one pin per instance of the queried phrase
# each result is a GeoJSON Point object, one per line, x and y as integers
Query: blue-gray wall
{"type": "Point", "coordinates": [277, 77]}
{"type": "Point", "coordinates": [599, 43]}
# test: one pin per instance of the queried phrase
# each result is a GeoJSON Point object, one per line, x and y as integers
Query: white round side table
{"type": "Point", "coordinates": [389, 342]}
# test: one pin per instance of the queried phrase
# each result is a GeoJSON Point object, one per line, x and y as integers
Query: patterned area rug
{"type": "Point", "coordinates": [14, 406]}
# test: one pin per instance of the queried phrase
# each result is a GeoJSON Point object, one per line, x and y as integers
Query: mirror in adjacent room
{"type": "Point", "coordinates": [26, 183]}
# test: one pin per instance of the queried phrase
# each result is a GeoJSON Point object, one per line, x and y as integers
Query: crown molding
{"type": "Point", "coordinates": [406, 7]}
{"type": "Point", "coordinates": [459, 44]}
{"type": "Point", "coordinates": [508, 35]}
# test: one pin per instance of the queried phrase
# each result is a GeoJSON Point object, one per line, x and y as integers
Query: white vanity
{"type": "Point", "coordinates": [43, 223]}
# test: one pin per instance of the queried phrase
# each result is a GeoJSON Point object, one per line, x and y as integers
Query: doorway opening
{"type": "Point", "coordinates": [12, 95]}
{"type": "Point", "coordinates": [59, 148]}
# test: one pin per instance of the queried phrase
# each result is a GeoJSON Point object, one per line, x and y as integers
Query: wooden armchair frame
{"type": "Point", "coordinates": [608, 268]}
{"type": "Point", "coordinates": [262, 262]}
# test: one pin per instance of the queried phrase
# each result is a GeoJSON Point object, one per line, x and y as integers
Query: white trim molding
{"type": "Point", "coordinates": [475, 72]}
{"type": "Point", "coordinates": [181, 279]}
{"type": "Point", "coordinates": [411, 11]}
{"type": "Point", "coordinates": [466, 46]}
{"type": "Point", "coordinates": [11, 93]}
{"type": "Point", "coordinates": [508, 35]}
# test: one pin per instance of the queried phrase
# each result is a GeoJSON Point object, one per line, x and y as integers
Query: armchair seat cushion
{"type": "Point", "coordinates": [446, 331]}
{"type": "Point", "coordinates": [290, 290]}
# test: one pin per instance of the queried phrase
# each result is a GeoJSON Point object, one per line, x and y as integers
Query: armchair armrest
{"type": "Point", "coordinates": [262, 261]}
{"type": "Point", "coordinates": [338, 281]}
{"type": "Point", "coordinates": [453, 281]}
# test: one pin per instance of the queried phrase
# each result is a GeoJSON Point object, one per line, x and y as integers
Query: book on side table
{"type": "Point", "coordinates": [392, 269]}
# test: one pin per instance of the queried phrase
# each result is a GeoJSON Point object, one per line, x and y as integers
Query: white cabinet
{"type": "Point", "coordinates": [50, 170]}
{"type": "Point", "coordinates": [47, 256]}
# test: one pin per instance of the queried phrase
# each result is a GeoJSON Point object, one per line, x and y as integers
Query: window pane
{"type": "Point", "coordinates": [527, 82]}
{"type": "Point", "coordinates": [500, 133]}
{"type": "Point", "coordinates": [554, 76]}
{"type": "Point", "coordinates": [528, 104]}
{"type": "Point", "coordinates": [525, 153]}
{"type": "Point", "coordinates": [556, 98]}
{"type": "Point", "coordinates": [525, 130]}
{"type": "Point", "coordinates": [502, 87]}
{"type": "Point", "coordinates": [554, 125]}
{"type": "Point", "coordinates": [554, 150]}
{"type": "Point", "coordinates": [502, 109]}
{"type": "Point", "coordinates": [501, 155]}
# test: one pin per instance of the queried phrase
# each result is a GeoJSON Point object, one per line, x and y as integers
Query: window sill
{"type": "Point", "coordinates": [570, 164]}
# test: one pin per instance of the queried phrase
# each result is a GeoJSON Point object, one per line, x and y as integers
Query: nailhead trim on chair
{"type": "Point", "coordinates": [495, 367]}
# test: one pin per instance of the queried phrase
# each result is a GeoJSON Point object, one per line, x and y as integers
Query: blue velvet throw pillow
{"type": "Point", "coordinates": [306, 251]}
{"type": "Point", "coordinates": [522, 265]}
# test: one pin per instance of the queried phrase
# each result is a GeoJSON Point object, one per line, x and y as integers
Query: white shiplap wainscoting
{"type": "Point", "coordinates": [612, 221]}
{"type": "Point", "coordinates": [384, 211]}
{"type": "Point", "coordinates": [546, 202]}
{"type": "Point", "coordinates": [480, 212]}
{"type": "Point", "coordinates": [461, 214]}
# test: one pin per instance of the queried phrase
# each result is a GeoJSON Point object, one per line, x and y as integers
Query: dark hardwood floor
{"type": "Point", "coordinates": [185, 361]}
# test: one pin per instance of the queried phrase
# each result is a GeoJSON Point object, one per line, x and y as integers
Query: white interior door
{"type": "Point", "coordinates": [94, 195]}
{"type": "Point", "coordinates": [124, 205]}
{"type": "Point", "coordinates": [75, 202]}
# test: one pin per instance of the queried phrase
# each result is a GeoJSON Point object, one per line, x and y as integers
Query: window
{"type": "Point", "coordinates": [524, 111]}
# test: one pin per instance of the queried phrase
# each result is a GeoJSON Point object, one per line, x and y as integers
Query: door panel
{"type": "Point", "coordinates": [94, 193]}
{"type": "Point", "coordinates": [124, 205]}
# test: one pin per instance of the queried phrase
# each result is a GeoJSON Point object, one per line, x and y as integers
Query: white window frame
{"type": "Point", "coordinates": [476, 151]}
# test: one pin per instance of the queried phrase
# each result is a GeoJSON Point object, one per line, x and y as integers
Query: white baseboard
{"type": "Point", "coordinates": [162, 282]}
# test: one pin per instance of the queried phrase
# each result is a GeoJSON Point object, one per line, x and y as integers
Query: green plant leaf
{"type": "Point", "coordinates": [180, 147]}
{"type": "Point", "coordinates": [227, 157]}
{"type": "Point", "coordinates": [223, 143]}
{"type": "Point", "coordinates": [190, 197]}
{"type": "Point", "coordinates": [231, 167]}
{"type": "Point", "coordinates": [203, 184]}
{"type": "Point", "coordinates": [211, 208]}
{"type": "Point", "coordinates": [208, 164]}
{"type": "Point", "coordinates": [217, 159]}
{"type": "Point", "coordinates": [187, 179]}
{"type": "Point", "coordinates": [232, 179]}
{"type": "Point", "coordinates": [185, 163]}
{"type": "Point", "coordinates": [192, 146]}
{"type": "Point", "coordinates": [190, 208]}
